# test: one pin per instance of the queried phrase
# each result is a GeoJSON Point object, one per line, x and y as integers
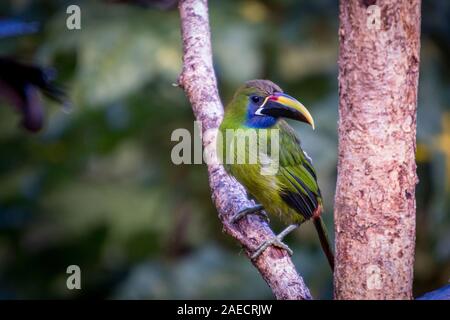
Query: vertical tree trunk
{"type": "Point", "coordinates": [375, 201]}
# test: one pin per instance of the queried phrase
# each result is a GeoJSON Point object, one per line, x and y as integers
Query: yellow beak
{"type": "Point", "coordinates": [283, 105]}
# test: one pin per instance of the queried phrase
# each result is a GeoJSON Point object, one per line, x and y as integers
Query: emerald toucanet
{"type": "Point", "coordinates": [292, 191]}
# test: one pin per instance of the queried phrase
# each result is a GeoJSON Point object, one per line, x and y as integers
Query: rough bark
{"type": "Point", "coordinates": [199, 82]}
{"type": "Point", "coordinates": [375, 192]}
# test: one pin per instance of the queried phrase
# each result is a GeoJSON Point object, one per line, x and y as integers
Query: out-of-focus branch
{"type": "Point", "coordinates": [199, 82]}
{"type": "Point", "coordinates": [438, 294]}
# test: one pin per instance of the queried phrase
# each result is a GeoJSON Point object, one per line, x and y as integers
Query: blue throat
{"type": "Point", "coordinates": [258, 122]}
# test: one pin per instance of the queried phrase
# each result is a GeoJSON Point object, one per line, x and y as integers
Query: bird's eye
{"type": "Point", "coordinates": [256, 99]}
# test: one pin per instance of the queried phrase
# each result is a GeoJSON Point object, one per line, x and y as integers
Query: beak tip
{"type": "Point", "coordinates": [287, 101]}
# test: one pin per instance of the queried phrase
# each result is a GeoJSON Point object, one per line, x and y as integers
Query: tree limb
{"type": "Point", "coordinates": [375, 206]}
{"type": "Point", "coordinates": [199, 83]}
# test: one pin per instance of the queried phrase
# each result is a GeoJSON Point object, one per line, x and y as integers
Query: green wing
{"type": "Point", "coordinates": [297, 177]}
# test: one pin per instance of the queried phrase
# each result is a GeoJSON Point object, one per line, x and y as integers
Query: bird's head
{"type": "Point", "coordinates": [265, 103]}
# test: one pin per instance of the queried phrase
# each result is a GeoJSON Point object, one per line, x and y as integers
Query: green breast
{"type": "Point", "coordinates": [287, 187]}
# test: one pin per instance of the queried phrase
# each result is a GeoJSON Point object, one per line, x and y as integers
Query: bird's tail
{"type": "Point", "coordinates": [324, 242]}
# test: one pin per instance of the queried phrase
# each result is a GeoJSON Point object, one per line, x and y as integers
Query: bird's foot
{"type": "Point", "coordinates": [276, 242]}
{"type": "Point", "coordinates": [258, 209]}
{"type": "Point", "coordinates": [271, 242]}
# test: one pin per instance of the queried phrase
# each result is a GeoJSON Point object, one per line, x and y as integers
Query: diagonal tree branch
{"type": "Point", "coordinates": [199, 83]}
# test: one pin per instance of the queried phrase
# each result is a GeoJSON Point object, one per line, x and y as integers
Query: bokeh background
{"type": "Point", "coordinates": [96, 187]}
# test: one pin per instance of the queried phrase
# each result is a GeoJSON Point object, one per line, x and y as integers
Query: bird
{"type": "Point", "coordinates": [291, 191]}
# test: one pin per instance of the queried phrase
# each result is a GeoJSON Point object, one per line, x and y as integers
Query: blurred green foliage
{"type": "Point", "coordinates": [97, 187]}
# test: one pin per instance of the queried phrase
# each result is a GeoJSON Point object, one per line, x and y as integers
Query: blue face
{"type": "Point", "coordinates": [254, 120]}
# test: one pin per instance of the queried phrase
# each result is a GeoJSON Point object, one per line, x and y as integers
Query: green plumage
{"type": "Point", "coordinates": [292, 193]}
{"type": "Point", "coordinates": [295, 179]}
